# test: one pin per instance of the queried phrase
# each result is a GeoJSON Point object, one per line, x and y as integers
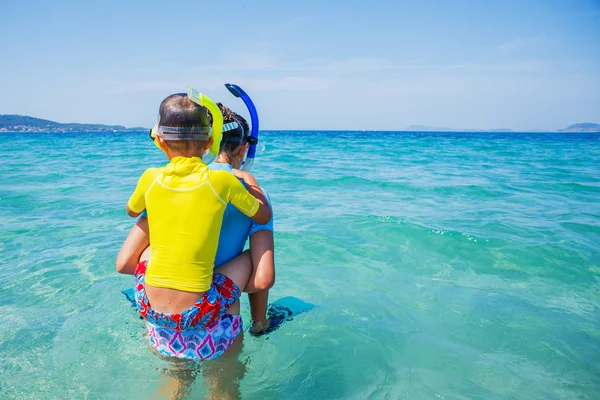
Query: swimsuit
{"type": "Point", "coordinates": [204, 344]}
{"type": "Point", "coordinates": [222, 293]}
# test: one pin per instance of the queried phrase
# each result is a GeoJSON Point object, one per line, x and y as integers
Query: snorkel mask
{"type": "Point", "coordinates": [251, 138]}
{"type": "Point", "coordinates": [176, 133]}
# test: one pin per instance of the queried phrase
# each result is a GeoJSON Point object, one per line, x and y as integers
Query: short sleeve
{"type": "Point", "coordinates": [263, 227]}
{"type": "Point", "coordinates": [137, 201]}
{"type": "Point", "coordinates": [240, 197]}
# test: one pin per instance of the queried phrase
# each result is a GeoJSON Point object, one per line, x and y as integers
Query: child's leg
{"type": "Point", "coordinates": [237, 269]}
{"type": "Point", "coordinates": [178, 379]}
{"type": "Point", "coordinates": [145, 255]}
{"type": "Point", "coordinates": [223, 375]}
{"type": "Point", "coordinates": [263, 277]}
{"type": "Point", "coordinates": [258, 309]}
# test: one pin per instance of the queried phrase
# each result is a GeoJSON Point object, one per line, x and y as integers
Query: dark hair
{"type": "Point", "coordinates": [177, 110]}
{"type": "Point", "coordinates": [234, 138]}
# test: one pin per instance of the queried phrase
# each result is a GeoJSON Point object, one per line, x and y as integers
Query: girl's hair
{"type": "Point", "coordinates": [179, 111]}
{"type": "Point", "coordinates": [234, 138]}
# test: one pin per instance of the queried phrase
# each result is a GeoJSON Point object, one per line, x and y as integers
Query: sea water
{"type": "Point", "coordinates": [444, 266]}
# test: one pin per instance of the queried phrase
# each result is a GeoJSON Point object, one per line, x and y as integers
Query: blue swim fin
{"type": "Point", "coordinates": [282, 310]}
{"type": "Point", "coordinates": [288, 307]}
{"type": "Point", "coordinates": [130, 295]}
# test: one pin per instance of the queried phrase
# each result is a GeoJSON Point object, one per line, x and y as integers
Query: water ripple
{"type": "Point", "coordinates": [444, 265]}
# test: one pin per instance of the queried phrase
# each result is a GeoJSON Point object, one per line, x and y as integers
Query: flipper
{"type": "Point", "coordinates": [130, 295]}
{"type": "Point", "coordinates": [282, 310]}
{"type": "Point", "coordinates": [288, 307]}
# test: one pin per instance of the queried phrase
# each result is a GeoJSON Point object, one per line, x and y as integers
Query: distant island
{"type": "Point", "coordinates": [583, 127]}
{"type": "Point", "coordinates": [24, 123]}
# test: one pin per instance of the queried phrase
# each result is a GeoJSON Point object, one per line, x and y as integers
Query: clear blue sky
{"type": "Point", "coordinates": [307, 64]}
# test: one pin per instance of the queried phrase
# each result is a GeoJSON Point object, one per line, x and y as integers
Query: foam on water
{"type": "Point", "coordinates": [444, 265]}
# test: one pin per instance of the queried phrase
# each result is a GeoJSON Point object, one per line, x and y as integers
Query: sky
{"type": "Point", "coordinates": [311, 64]}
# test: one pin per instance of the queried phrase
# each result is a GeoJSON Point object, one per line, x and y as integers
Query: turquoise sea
{"type": "Point", "coordinates": [444, 265]}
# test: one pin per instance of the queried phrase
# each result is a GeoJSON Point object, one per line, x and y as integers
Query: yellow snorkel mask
{"type": "Point", "coordinates": [196, 133]}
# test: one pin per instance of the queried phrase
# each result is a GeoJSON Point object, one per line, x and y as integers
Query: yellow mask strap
{"type": "Point", "coordinates": [154, 134]}
{"type": "Point", "coordinates": [217, 118]}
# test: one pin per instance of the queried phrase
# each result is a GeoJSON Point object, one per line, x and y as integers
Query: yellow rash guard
{"type": "Point", "coordinates": [185, 202]}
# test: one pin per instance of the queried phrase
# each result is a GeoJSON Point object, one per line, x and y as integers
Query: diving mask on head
{"type": "Point", "coordinates": [251, 138]}
{"type": "Point", "coordinates": [203, 133]}
{"type": "Point", "coordinates": [231, 126]}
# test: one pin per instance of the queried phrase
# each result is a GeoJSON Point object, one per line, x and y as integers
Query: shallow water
{"type": "Point", "coordinates": [444, 265]}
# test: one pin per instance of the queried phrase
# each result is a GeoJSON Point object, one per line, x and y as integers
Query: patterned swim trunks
{"type": "Point", "coordinates": [205, 313]}
{"type": "Point", "coordinates": [203, 344]}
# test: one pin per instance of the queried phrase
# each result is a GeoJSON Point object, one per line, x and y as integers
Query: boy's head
{"type": "Point", "coordinates": [234, 143]}
{"type": "Point", "coordinates": [179, 116]}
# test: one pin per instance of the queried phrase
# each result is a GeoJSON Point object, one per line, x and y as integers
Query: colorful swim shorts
{"type": "Point", "coordinates": [203, 344]}
{"type": "Point", "coordinates": [205, 313]}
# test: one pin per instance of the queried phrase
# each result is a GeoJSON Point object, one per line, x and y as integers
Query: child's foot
{"type": "Point", "coordinates": [260, 328]}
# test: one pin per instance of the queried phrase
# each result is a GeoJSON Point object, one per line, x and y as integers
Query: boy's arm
{"type": "Point", "coordinates": [264, 213]}
{"type": "Point", "coordinates": [256, 207]}
{"type": "Point", "coordinates": [133, 247]}
{"type": "Point", "coordinates": [130, 212]}
{"type": "Point", "coordinates": [137, 201]}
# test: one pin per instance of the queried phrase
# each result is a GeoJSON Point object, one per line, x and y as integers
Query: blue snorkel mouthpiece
{"type": "Point", "coordinates": [253, 137]}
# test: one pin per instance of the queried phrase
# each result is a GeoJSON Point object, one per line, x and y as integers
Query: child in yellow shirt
{"type": "Point", "coordinates": [185, 202]}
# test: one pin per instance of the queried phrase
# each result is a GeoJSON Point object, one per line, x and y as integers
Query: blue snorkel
{"type": "Point", "coordinates": [253, 139]}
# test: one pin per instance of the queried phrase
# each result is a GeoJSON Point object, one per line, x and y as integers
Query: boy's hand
{"type": "Point", "coordinates": [238, 173]}
{"type": "Point", "coordinates": [264, 213]}
{"type": "Point", "coordinates": [245, 176]}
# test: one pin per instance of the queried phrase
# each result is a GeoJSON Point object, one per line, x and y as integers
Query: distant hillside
{"type": "Point", "coordinates": [24, 123]}
{"type": "Point", "coordinates": [583, 127]}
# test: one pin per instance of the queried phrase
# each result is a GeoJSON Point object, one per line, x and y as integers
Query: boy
{"type": "Point", "coordinates": [185, 202]}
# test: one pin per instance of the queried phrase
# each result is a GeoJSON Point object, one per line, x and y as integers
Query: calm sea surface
{"type": "Point", "coordinates": [444, 265]}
